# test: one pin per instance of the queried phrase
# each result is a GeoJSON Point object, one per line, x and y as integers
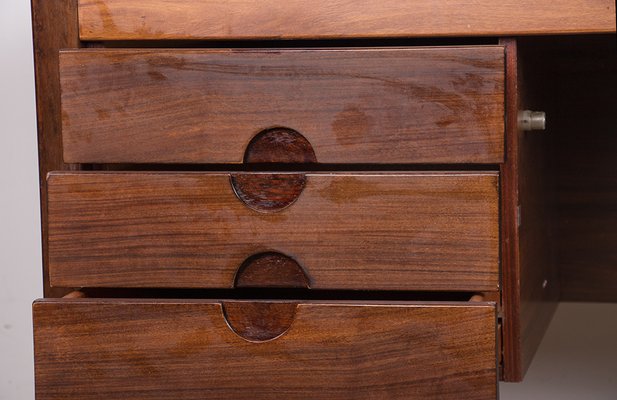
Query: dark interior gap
{"type": "Point", "coordinates": [279, 167]}
{"type": "Point", "coordinates": [275, 294]}
{"type": "Point", "coordinates": [296, 43]}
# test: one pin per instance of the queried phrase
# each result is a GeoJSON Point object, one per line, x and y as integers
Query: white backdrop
{"type": "Point", "coordinates": [20, 248]}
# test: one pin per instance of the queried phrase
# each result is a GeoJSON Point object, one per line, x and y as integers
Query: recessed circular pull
{"type": "Point", "coordinates": [279, 145]}
{"type": "Point", "coordinates": [268, 193]}
{"type": "Point", "coordinates": [271, 270]}
{"type": "Point", "coordinates": [259, 321]}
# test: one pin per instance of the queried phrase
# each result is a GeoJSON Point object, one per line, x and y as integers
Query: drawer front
{"type": "Point", "coordinates": [148, 349]}
{"type": "Point", "coordinates": [391, 231]}
{"type": "Point", "coordinates": [402, 105]}
{"type": "Point", "coordinates": [273, 19]}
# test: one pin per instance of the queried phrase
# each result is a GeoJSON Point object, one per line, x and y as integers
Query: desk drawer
{"type": "Point", "coordinates": [396, 105]}
{"type": "Point", "coordinates": [370, 231]}
{"type": "Point", "coordinates": [197, 349]}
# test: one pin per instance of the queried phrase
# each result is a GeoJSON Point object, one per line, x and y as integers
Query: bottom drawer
{"type": "Point", "coordinates": [209, 349]}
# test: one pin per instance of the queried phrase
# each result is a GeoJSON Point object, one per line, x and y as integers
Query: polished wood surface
{"type": "Point", "coordinates": [529, 272]}
{"type": "Point", "coordinates": [512, 369]}
{"type": "Point", "coordinates": [259, 321]}
{"type": "Point", "coordinates": [182, 349]}
{"type": "Point", "coordinates": [566, 177]}
{"type": "Point", "coordinates": [268, 192]}
{"type": "Point", "coordinates": [539, 281]}
{"type": "Point", "coordinates": [54, 27]}
{"type": "Point", "coordinates": [234, 19]}
{"type": "Point", "coordinates": [390, 231]}
{"type": "Point", "coordinates": [271, 269]}
{"type": "Point", "coordinates": [388, 105]}
{"type": "Point", "coordinates": [279, 145]}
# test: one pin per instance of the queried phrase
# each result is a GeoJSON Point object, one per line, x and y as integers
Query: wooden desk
{"type": "Point", "coordinates": [184, 168]}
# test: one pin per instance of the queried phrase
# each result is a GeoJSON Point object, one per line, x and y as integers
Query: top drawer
{"type": "Point", "coordinates": [396, 105]}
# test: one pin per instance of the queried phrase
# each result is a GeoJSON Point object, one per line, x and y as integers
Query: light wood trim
{"type": "Point", "coordinates": [239, 19]}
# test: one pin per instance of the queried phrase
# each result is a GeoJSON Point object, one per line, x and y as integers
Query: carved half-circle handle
{"type": "Point", "coordinates": [268, 193]}
{"type": "Point", "coordinates": [262, 320]}
{"type": "Point", "coordinates": [271, 270]}
{"type": "Point", "coordinates": [259, 321]}
{"type": "Point", "coordinates": [265, 192]}
{"type": "Point", "coordinates": [279, 145]}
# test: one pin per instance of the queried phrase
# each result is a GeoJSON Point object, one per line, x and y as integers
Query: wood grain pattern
{"type": "Point", "coordinates": [401, 105]}
{"type": "Point", "coordinates": [237, 19]}
{"type": "Point", "coordinates": [512, 370]}
{"type": "Point", "coordinates": [268, 192]}
{"type": "Point", "coordinates": [259, 321]}
{"type": "Point", "coordinates": [279, 145]}
{"type": "Point", "coordinates": [271, 270]}
{"type": "Point", "coordinates": [539, 282]}
{"type": "Point", "coordinates": [390, 231]}
{"type": "Point", "coordinates": [149, 349]}
{"type": "Point", "coordinates": [530, 283]}
{"type": "Point", "coordinates": [54, 27]}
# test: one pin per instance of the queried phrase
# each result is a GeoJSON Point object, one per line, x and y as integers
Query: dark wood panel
{"type": "Point", "coordinates": [148, 349]}
{"type": "Point", "coordinates": [539, 281]}
{"type": "Point", "coordinates": [391, 231]}
{"type": "Point", "coordinates": [510, 272]}
{"type": "Point", "coordinates": [54, 27]}
{"type": "Point", "coordinates": [259, 321]}
{"type": "Point", "coordinates": [232, 19]}
{"type": "Point", "coordinates": [530, 279]}
{"type": "Point", "coordinates": [268, 192]}
{"type": "Point", "coordinates": [271, 270]}
{"type": "Point", "coordinates": [401, 105]}
{"type": "Point", "coordinates": [586, 150]}
{"type": "Point", "coordinates": [279, 145]}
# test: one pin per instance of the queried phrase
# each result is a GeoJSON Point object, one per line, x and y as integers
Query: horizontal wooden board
{"type": "Point", "coordinates": [389, 231]}
{"type": "Point", "coordinates": [148, 349]}
{"type": "Point", "coordinates": [237, 19]}
{"type": "Point", "coordinates": [402, 105]}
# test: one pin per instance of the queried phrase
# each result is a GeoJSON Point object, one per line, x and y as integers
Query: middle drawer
{"type": "Point", "coordinates": [369, 231]}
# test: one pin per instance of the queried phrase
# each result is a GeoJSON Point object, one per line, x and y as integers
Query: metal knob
{"type": "Point", "coordinates": [532, 120]}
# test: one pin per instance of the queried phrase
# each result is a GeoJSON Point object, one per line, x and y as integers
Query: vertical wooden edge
{"type": "Point", "coordinates": [538, 277]}
{"type": "Point", "coordinates": [510, 271]}
{"type": "Point", "coordinates": [489, 300]}
{"type": "Point", "coordinates": [35, 348]}
{"type": "Point", "coordinates": [54, 27]}
{"type": "Point", "coordinates": [530, 289]}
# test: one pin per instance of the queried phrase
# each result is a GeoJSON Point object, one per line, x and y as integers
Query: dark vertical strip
{"type": "Point", "coordinates": [510, 271]}
{"type": "Point", "coordinates": [54, 27]}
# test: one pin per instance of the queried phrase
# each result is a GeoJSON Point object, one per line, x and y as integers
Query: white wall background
{"type": "Point", "coordinates": [20, 249]}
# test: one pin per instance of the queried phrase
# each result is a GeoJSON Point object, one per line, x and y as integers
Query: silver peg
{"type": "Point", "coordinates": [532, 120]}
